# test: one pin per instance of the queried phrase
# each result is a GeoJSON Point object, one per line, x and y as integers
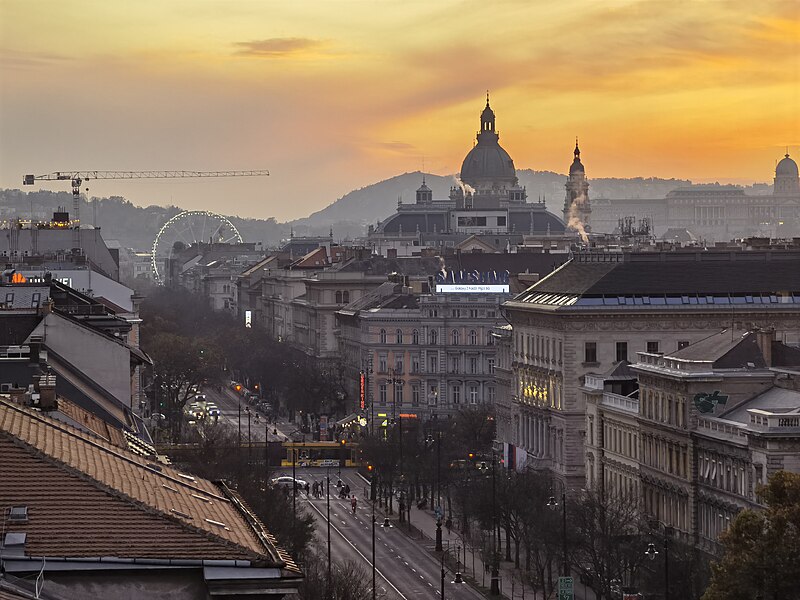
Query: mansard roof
{"type": "Point", "coordinates": [672, 278]}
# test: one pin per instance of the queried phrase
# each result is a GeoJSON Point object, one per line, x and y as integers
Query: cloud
{"type": "Point", "coordinates": [16, 59]}
{"type": "Point", "coordinates": [399, 147]}
{"type": "Point", "coordinates": [277, 47]}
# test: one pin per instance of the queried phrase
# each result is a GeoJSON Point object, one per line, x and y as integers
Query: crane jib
{"type": "Point", "coordinates": [88, 175]}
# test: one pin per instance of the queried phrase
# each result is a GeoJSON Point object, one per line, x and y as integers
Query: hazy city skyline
{"type": "Point", "coordinates": [334, 96]}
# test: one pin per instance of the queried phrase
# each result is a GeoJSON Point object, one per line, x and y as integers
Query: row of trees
{"type": "Point", "coordinates": [607, 537]}
{"type": "Point", "coordinates": [191, 344]}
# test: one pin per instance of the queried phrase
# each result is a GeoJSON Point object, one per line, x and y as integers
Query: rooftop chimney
{"type": "Point", "coordinates": [47, 392]}
{"type": "Point", "coordinates": [764, 339]}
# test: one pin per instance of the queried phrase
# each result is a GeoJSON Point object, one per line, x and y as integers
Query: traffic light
{"type": "Point", "coordinates": [343, 442]}
{"type": "Point", "coordinates": [369, 468]}
{"type": "Point", "coordinates": [471, 455]}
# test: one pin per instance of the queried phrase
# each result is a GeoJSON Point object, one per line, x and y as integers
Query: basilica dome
{"type": "Point", "coordinates": [786, 167]}
{"type": "Point", "coordinates": [487, 164]}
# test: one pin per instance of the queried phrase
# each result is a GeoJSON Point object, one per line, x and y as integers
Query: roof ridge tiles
{"type": "Point", "coordinates": [93, 441]}
{"type": "Point", "coordinates": [21, 439]}
{"type": "Point", "coordinates": [173, 517]}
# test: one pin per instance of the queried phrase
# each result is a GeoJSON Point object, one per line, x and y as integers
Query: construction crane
{"type": "Point", "coordinates": [78, 177]}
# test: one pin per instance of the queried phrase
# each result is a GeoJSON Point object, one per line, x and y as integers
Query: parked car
{"type": "Point", "coordinates": [287, 480]}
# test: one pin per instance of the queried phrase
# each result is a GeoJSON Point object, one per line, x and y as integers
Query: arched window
{"type": "Point", "coordinates": [398, 335]}
{"type": "Point", "coordinates": [346, 297]}
{"type": "Point", "coordinates": [433, 337]}
{"type": "Point", "coordinates": [383, 336]}
{"type": "Point", "coordinates": [338, 297]}
{"type": "Point", "coordinates": [473, 337]}
{"type": "Point", "coordinates": [455, 337]}
{"type": "Point", "coordinates": [415, 337]}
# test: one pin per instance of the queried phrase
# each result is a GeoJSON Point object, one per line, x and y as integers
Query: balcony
{"type": "Point", "coordinates": [730, 430]}
{"type": "Point", "coordinates": [767, 421]}
{"type": "Point", "coordinates": [623, 403]}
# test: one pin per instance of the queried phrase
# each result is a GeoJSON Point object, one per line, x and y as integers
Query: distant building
{"type": "Point", "coordinates": [714, 212]}
{"type": "Point", "coordinates": [211, 271]}
{"type": "Point", "coordinates": [487, 201]}
{"type": "Point", "coordinates": [424, 352]}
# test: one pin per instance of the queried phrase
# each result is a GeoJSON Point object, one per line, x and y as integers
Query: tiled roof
{"type": "Point", "coordinates": [88, 498]}
{"type": "Point", "coordinates": [677, 273]}
{"type": "Point", "coordinates": [91, 422]}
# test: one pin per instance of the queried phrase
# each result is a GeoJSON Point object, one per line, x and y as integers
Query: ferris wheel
{"type": "Point", "coordinates": [187, 228]}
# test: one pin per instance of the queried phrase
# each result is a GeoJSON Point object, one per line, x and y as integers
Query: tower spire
{"type": "Point", "coordinates": [487, 97]}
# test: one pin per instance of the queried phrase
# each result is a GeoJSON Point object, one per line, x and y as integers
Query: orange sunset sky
{"type": "Point", "coordinates": [334, 95]}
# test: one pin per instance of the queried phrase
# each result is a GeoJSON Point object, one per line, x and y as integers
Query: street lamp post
{"type": "Point", "coordinates": [294, 483]}
{"type": "Point", "coordinates": [495, 587]}
{"type": "Point", "coordinates": [552, 504]}
{"type": "Point", "coordinates": [328, 509]}
{"type": "Point", "coordinates": [373, 542]}
{"type": "Point", "coordinates": [651, 553]}
{"type": "Point", "coordinates": [457, 579]}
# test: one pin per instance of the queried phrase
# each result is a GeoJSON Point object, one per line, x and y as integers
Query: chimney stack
{"type": "Point", "coordinates": [17, 394]}
{"type": "Point", "coordinates": [764, 338]}
{"type": "Point", "coordinates": [47, 392]}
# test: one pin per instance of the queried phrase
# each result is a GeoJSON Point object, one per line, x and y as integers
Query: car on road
{"type": "Point", "coordinates": [212, 410]}
{"type": "Point", "coordinates": [286, 481]}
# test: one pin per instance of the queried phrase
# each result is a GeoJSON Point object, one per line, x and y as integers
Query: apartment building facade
{"type": "Point", "coordinates": [600, 309]}
{"type": "Point", "coordinates": [422, 353]}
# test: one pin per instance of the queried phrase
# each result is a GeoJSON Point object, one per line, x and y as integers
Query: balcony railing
{"type": "Point", "coordinates": [619, 402]}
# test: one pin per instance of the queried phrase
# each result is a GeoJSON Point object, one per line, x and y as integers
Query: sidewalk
{"type": "Point", "coordinates": [473, 567]}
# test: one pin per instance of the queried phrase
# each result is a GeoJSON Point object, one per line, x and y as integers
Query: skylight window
{"type": "Point", "coordinates": [18, 514]}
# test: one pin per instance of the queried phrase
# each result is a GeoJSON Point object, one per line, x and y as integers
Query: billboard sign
{"type": "Point", "coordinates": [472, 282]}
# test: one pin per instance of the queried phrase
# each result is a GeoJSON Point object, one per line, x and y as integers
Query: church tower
{"type": "Point", "coordinates": [577, 208]}
{"type": "Point", "coordinates": [424, 193]}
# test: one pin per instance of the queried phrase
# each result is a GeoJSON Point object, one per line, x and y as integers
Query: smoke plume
{"type": "Point", "coordinates": [465, 187]}
{"type": "Point", "coordinates": [574, 219]}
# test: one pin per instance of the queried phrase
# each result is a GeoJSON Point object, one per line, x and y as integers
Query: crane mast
{"type": "Point", "coordinates": [78, 177]}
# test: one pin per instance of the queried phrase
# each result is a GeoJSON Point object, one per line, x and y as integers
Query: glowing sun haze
{"type": "Point", "coordinates": [334, 95]}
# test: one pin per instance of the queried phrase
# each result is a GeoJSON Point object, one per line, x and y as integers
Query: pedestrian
{"type": "Point", "coordinates": [308, 488]}
{"type": "Point", "coordinates": [346, 489]}
{"type": "Point", "coordinates": [354, 503]}
{"type": "Point", "coordinates": [314, 489]}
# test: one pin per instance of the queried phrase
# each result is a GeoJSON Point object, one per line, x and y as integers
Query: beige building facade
{"type": "Point", "coordinates": [601, 309]}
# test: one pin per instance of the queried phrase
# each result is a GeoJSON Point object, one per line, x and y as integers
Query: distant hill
{"type": "Point", "coordinates": [136, 227]}
{"type": "Point", "coordinates": [132, 226]}
{"type": "Point", "coordinates": [379, 200]}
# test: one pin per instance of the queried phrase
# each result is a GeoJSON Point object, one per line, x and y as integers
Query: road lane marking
{"type": "Point", "coordinates": [378, 571]}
